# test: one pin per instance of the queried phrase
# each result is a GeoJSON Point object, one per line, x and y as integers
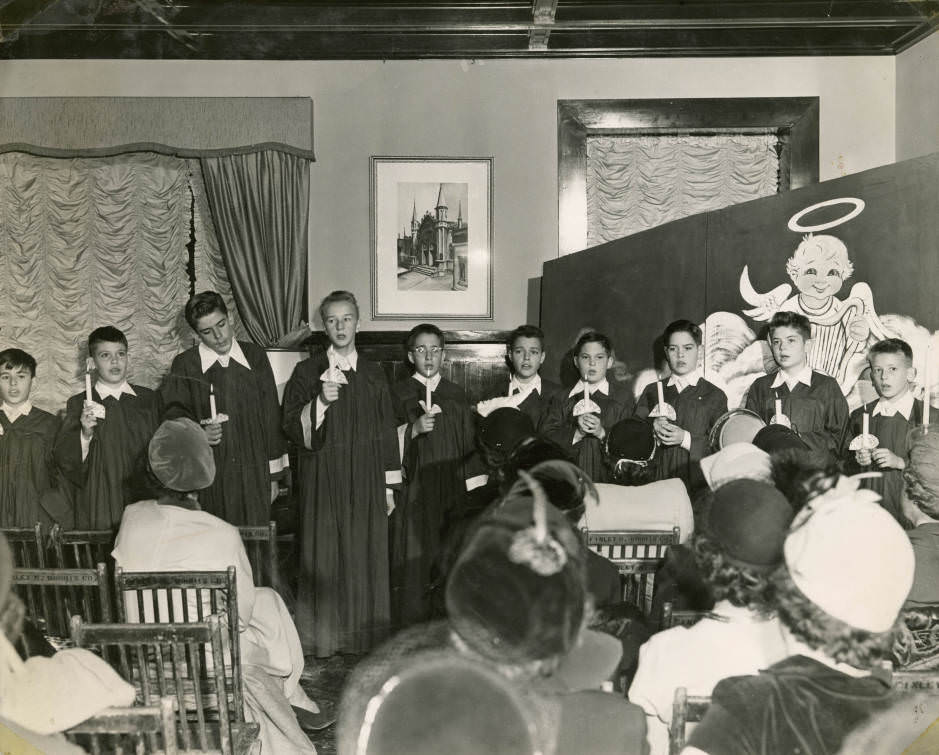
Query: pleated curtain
{"type": "Point", "coordinates": [638, 182]}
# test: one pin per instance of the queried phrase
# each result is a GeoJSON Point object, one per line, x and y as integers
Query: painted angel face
{"type": "Point", "coordinates": [890, 374]}
{"type": "Point", "coordinates": [427, 354]}
{"type": "Point", "coordinates": [527, 355]}
{"type": "Point", "coordinates": [682, 353]}
{"type": "Point", "coordinates": [110, 360]}
{"type": "Point", "coordinates": [818, 277]}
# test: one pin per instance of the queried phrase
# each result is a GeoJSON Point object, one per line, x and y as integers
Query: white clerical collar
{"type": "Point", "coordinates": [603, 387]}
{"type": "Point", "coordinates": [432, 382]}
{"type": "Point", "coordinates": [15, 412]}
{"type": "Point", "coordinates": [903, 405]}
{"type": "Point", "coordinates": [804, 376]}
{"type": "Point", "coordinates": [532, 385]}
{"type": "Point", "coordinates": [105, 390]}
{"type": "Point", "coordinates": [208, 357]}
{"type": "Point", "coordinates": [684, 381]}
{"type": "Point", "coordinates": [344, 362]}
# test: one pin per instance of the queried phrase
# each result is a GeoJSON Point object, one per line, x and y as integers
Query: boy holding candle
{"type": "Point", "coordinates": [338, 411]}
{"type": "Point", "coordinates": [104, 432]}
{"type": "Point", "coordinates": [810, 401]}
{"type": "Point", "coordinates": [27, 437]}
{"type": "Point", "coordinates": [697, 403]}
{"type": "Point", "coordinates": [593, 405]}
{"type": "Point", "coordinates": [440, 467]}
{"type": "Point", "coordinates": [889, 419]}
{"type": "Point", "coordinates": [243, 422]}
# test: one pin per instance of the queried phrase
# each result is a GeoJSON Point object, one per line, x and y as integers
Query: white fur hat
{"type": "Point", "coordinates": [851, 558]}
{"type": "Point", "coordinates": [736, 461]}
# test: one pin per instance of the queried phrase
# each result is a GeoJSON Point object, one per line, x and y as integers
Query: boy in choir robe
{"type": "Point", "coordinates": [524, 388]}
{"type": "Point", "coordinates": [890, 419]}
{"type": "Point", "coordinates": [583, 427]}
{"type": "Point", "coordinates": [338, 411]}
{"type": "Point", "coordinates": [810, 401]}
{"type": "Point", "coordinates": [440, 466]}
{"type": "Point", "coordinates": [97, 450]}
{"type": "Point", "coordinates": [698, 404]}
{"type": "Point", "coordinates": [28, 478]}
{"type": "Point", "coordinates": [227, 386]}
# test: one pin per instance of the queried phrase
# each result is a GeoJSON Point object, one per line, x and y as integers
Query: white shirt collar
{"type": "Point", "coordinates": [804, 376]}
{"type": "Point", "coordinates": [15, 412]}
{"type": "Point", "coordinates": [432, 382]}
{"type": "Point", "coordinates": [684, 381]}
{"type": "Point", "coordinates": [343, 362]}
{"type": "Point", "coordinates": [105, 390]}
{"type": "Point", "coordinates": [903, 405]}
{"type": "Point", "coordinates": [603, 387]}
{"type": "Point", "coordinates": [208, 357]}
{"type": "Point", "coordinates": [532, 385]}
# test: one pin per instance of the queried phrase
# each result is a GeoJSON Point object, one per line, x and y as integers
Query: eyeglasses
{"type": "Point", "coordinates": [422, 350]}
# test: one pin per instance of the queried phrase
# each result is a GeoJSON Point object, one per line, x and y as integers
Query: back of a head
{"type": "Point", "coordinates": [180, 456]}
{"type": "Point", "coordinates": [440, 702]}
{"type": "Point", "coordinates": [500, 432]}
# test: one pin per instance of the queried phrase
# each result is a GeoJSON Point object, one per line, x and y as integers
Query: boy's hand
{"type": "Point", "coordinates": [329, 393]}
{"type": "Point", "coordinates": [590, 424]}
{"type": "Point", "coordinates": [668, 433]}
{"type": "Point", "coordinates": [213, 431]}
{"type": "Point", "coordinates": [423, 424]}
{"type": "Point", "coordinates": [275, 490]}
{"type": "Point", "coordinates": [863, 457]}
{"type": "Point", "coordinates": [887, 459]}
{"type": "Point", "coordinates": [88, 421]}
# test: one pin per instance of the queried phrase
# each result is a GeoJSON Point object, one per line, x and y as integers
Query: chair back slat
{"type": "Point", "coordinates": [686, 709]}
{"type": "Point", "coordinates": [261, 546]}
{"type": "Point", "coordinates": [29, 551]}
{"type": "Point", "coordinates": [140, 729]}
{"type": "Point", "coordinates": [81, 549]}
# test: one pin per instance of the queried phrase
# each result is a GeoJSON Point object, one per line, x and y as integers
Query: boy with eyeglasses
{"type": "Point", "coordinates": [440, 466]}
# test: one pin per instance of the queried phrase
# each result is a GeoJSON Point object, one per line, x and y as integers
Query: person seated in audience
{"type": "Point", "coordinates": [736, 461]}
{"type": "Point", "coordinates": [28, 478]}
{"type": "Point", "coordinates": [42, 696]}
{"type": "Point", "coordinates": [524, 388]}
{"type": "Point", "coordinates": [697, 402]}
{"type": "Point", "coordinates": [920, 506]}
{"type": "Point", "coordinates": [517, 600]}
{"type": "Point", "coordinates": [172, 533]}
{"type": "Point", "coordinates": [739, 546]}
{"type": "Point", "coordinates": [594, 404]}
{"type": "Point", "coordinates": [97, 450]}
{"type": "Point", "coordinates": [847, 571]}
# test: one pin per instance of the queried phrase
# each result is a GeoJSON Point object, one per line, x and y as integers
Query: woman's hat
{"type": "Point", "coordinates": [631, 439]}
{"type": "Point", "coordinates": [736, 461]}
{"type": "Point", "coordinates": [502, 430]}
{"type": "Point", "coordinates": [180, 456]}
{"type": "Point", "coordinates": [775, 438]}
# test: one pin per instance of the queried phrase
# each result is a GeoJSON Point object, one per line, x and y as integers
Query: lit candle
{"type": "Point", "coordinates": [658, 388]}
{"type": "Point", "coordinates": [427, 403]}
{"type": "Point", "coordinates": [88, 383]}
{"type": "Point", "coordinates": [866, 424]}
{"type": "Point", "coordinates": [778, 403]}
{"type": "Point", "coordinates": [586, 394]}
{"type": "Point", "coordinates": [212, 401]}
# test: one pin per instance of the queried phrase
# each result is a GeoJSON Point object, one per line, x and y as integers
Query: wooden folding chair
{"type": "Point", "coordinates": [29, 552]}
{"type": "Point", "coordinates": [82, 549]}
{"type": "Point", "coordinates": [261, 546]}
{"type": "Point", "coordinates": [53, 596]}
{"type": "Point", "coordinates": [139, 729]}
{"type": "Point", "coordinates": [637, 554]}
{"type": "Point", "coordinates": [184, 660]}
{"type": "Point", "coordinates": [685, 710]}
{"type": "Point", "coordinates": [923, 682]}
{"type": "Point", "coordinates": [177, 596]}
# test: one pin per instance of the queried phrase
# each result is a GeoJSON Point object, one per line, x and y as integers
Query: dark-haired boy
{"type": "Point", "coordinates": [890, 419]}
{"type": "Point", "coordinates": [249, 445]}
{"type": "Point", "coordinates": [524, 388]}
{"type": "Point", "coordinates": [583, 427]}
{"type": "Point", "coordinates": [698, 404]}
{"type": "Point", "coordinates": [98, 455]}
{"type": "Point", "coordinates": [27, 436]}
{"type": "Point", "coordinates": [440, 466]}
{"type": "Point", "coordinates": [812, 401]}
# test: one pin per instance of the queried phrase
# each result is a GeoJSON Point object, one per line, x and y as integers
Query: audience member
{"type": "Point", "coordinates": [919, 503]}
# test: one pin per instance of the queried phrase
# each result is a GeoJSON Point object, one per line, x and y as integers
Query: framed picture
{"type": "Point", "coordinates": [431, 238]}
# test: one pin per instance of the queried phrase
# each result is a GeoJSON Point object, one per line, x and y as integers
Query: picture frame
{"type": "Point", "coordinates": [431, 238]}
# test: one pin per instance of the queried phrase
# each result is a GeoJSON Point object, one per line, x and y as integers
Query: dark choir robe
{"type": "Point", "coordinates": [28, 478]}
{"type": "Point", "coordinates": [818, 413]}
{"type": "Point", "coordinates": [560, 425]}
{"type": "Point", "coordinates": [437, 466]}
{"type": "Point", "coordinates": [99, 481]}
{"type": "Point", "coordinates": [537, 403]}
{"type": "Point", "coordinates": [343, 597]}
{"type": "Point", "coordinates": [892, 434]}
{"type": "Point", "coordinates": [697, 408]}
{"type": "Point", "coordinates": [251, 438]}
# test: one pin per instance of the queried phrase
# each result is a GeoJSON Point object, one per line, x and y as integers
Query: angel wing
{"type": "Point", "coordinates": [861, 293]}
{"type": "Point", "coordinates": [765, 305]}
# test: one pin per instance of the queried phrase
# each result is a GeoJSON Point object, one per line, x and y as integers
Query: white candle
{"type": "Point", "coordinates": [927, 384]}
{"type": "Point", "coordinates": [427, 403]}
{"type": "Point", "coordinates": [658, 388]}
{"type": "Point", "coordinates": [778, 403]}
{"type": "Point", "coordinates": [586, 394]}
{"type": "Point", "coordinates": [88, 384]}
{"type": "Point", "coordinates": [212, 401]}
{"type": "Point", "coordinates": [866, 424]}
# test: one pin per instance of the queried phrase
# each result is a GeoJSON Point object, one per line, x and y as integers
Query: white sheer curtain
{"type": "Point", "coordinates": [638, 182]}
